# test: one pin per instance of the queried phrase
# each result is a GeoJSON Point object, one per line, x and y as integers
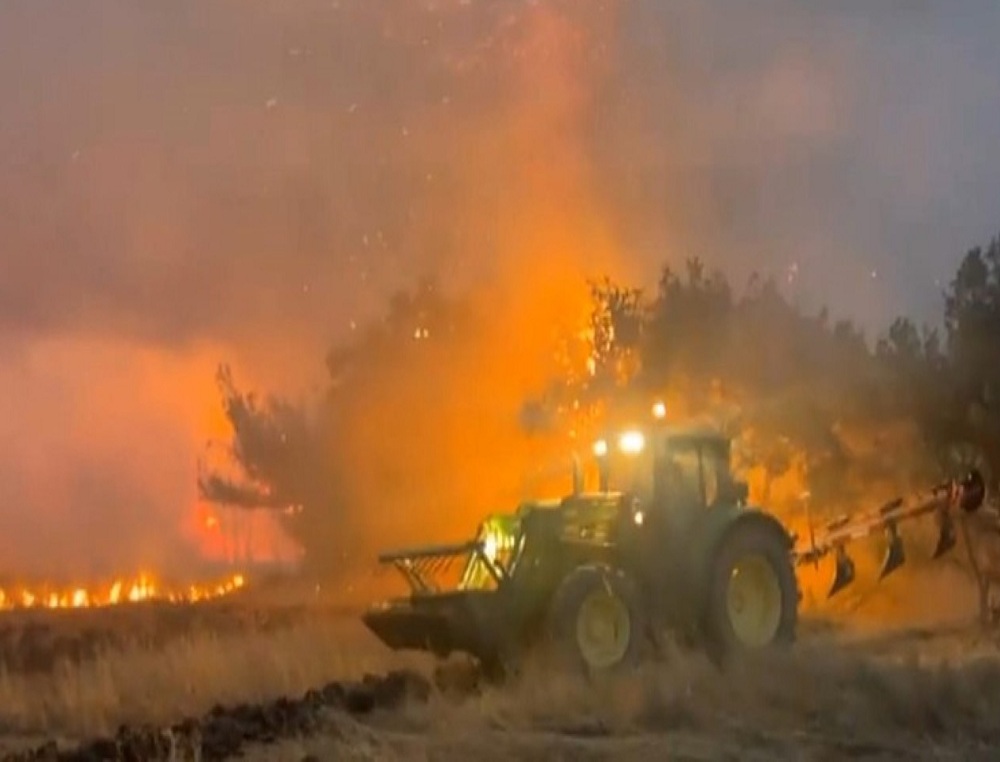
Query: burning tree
{"type": "Point", "coordinates": [814, 407]}
{"type": "Point", "coordinates": [296, 459]}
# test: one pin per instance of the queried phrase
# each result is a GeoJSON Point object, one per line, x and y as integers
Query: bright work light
{"type": "Point", "coordinates": [632, 442]}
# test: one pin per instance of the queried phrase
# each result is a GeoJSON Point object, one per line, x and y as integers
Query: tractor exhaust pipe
{"type": "Point", "coordinates": [577, 476]}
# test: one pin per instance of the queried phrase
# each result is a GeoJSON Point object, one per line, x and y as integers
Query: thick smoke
{"type": "Point", "coordinates": [187, 183]}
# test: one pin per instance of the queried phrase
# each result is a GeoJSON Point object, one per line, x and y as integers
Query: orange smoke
{"type": "Point", "coordinates": [106, 460]}
{"type": "Point", "coordinates": [439, 443]}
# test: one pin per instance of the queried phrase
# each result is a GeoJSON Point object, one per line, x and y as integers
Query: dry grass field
{"type": "Point", "coordinates": [866, 690]}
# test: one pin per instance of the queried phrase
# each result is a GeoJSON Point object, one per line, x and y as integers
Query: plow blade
{"type": "Point", "coordinates": [843, 573]}
{"type": "Point", "coordinates": [895, 555]}
{"type": "Point", "coordinates": [946, 538]}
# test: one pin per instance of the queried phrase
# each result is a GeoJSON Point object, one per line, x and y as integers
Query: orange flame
{"type": "Point", "coordinates": [120, 592]}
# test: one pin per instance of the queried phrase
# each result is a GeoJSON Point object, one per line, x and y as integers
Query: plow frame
{"type": "Point", "coordinates": [961, 497]}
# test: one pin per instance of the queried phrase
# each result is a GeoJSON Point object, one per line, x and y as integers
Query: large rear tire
{"type": "Point", "coordinates": [753, 593]}
{"type": "Point", "coordinates": [596, 623]}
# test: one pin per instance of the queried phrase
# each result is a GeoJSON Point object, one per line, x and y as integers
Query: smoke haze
{"type": "Point", "coordinates": [183, 183]}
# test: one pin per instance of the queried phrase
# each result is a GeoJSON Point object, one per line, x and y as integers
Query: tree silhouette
{"type": "Point", "coordinates": [800, 390]}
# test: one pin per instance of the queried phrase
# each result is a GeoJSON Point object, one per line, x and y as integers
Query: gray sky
{"type": "Point", "coordinates": [229, 154]}
{"type": "Point", "coordinates": [189, 181]}
{"type": "Point", "coordinates": [851, 138]}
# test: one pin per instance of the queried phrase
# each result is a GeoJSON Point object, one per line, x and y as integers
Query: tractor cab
{"type": "Point", "coordinates": [672, 473]}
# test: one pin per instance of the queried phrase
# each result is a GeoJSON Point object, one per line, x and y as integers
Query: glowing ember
{"type": "Point", "coordinates": [143, 588]}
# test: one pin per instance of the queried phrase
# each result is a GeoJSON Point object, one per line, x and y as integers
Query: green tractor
{"type": "Point", "coordinates": [667, 543]}
{"type": "Point", "coordinates": [595, 578]}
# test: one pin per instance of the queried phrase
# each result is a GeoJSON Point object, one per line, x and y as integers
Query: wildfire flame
{"type": "Point", "coordinates": [121, 591]}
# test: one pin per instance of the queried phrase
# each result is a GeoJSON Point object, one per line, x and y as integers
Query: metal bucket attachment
{"type": "Point", "coordinates": [946, 537]}
{"type": "Point", "coordinates": [843, 574]}
{"type": "Point", "coordinates": [895, 555]}
{"type": "Point", "coordinates": [403, 627]}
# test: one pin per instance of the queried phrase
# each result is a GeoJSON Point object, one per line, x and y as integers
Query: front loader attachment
{"type": "Point", "coordinates": [945, 500]}
{"type": "Point", "coordinates": [444, 623]}
{"type": "Point", "coordinates": [446, 611]}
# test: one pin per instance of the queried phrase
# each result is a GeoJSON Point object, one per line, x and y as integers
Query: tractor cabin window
{"type": "Point", "coordinates": [691, 475]}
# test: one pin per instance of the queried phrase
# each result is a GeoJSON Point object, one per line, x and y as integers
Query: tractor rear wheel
{"type": "Point", "coordinates": [753, 592]}
{"type": "Point", "coordinates": [596, 622]}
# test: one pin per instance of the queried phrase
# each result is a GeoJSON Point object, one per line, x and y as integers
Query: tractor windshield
{"type": "Point", "coordinates": [679, 476]}
{"type": "Point", "coordinates": [691, 474]}
{"type": "Point", "coordinates": [684, 472]}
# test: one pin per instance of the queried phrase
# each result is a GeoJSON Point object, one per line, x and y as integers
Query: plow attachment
{"type": "Point", "coordinates": [944, 502]}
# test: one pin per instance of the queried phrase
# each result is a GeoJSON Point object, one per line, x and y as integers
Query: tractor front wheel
{"type": "Point", "coordinates": [596, 622]}
{"type": "Point", "coordinates": [753, 593]}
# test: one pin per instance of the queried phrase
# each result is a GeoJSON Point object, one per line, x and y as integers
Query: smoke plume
{"type": "Point", "coordinates": [186, 183]}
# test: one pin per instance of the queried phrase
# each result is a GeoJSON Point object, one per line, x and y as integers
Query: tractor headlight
{"type": "Point", "coordinates": [638, 518]}
{"type": "Point", "coordinates": [601, 448]}
{"type": "Point", "coordinates": [659, 411]}
{"type": "Point", "coordinates": [491, 547]}
{"type": "Point", "coordinates": [632, 442]}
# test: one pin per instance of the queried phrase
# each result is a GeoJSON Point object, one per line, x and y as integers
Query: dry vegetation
{"type": "Point", "coordinates": [896, 694]}
{"type": "Point", "coordinates": [185, 677]}
{"type": "Point", "coordinates": [157, 665]}
{"type": "Point", "coordinates": [818, 703]}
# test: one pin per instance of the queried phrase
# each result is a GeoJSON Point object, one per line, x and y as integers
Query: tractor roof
{"type": "Point", "coordinates": [695, 433]}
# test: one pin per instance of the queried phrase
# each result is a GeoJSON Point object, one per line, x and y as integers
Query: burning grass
{"type": "Point", "coordinates": [143, 587]}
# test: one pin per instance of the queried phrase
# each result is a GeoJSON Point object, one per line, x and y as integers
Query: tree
{"type": "Point", "coordinates": [813, 406]}
{"type": "Point", "coordinates": [296, 460]}
{"type": "Point", "coordinates": [278, 452]}
{"type": "Point", "coordinates": [972, 325]}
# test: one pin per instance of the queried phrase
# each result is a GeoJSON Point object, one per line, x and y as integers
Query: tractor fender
{"type": "Point", "coordinates": [733, 529]}
{"type": "Point", "coordinates": [710, 533]}
{"type": "Point", "coordinates": [721, 521]}
{"type": "Point", "coordinates": [757, 516]}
